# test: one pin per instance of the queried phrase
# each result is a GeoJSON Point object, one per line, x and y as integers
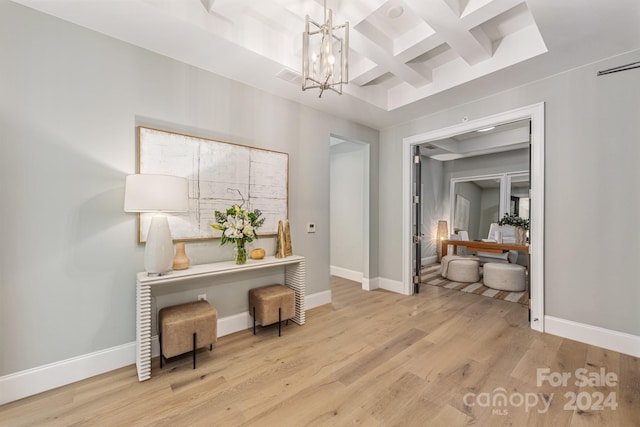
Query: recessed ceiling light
{"type": "Point", "coordinates": [486, 129]}
{"type": "Point", "coordinates": [395, 12]}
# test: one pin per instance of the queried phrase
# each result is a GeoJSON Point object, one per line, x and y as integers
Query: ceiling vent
{"type": "Point", "coordinates": [289, 76]}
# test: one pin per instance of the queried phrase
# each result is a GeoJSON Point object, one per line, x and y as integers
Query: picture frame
{"type": "Point", "coordinates": [220, 175]}
{"type": "Point", "coordinates": [461, 216]}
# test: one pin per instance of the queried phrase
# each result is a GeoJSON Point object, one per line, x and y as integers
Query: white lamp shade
{"type": "Point", "coordinates": [156, 193]}
{"type": "Point", "coordinates": [159, 194]}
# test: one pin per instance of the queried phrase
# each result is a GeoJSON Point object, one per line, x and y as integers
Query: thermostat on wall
{"type": "Point", "coordinates": [311, 228]}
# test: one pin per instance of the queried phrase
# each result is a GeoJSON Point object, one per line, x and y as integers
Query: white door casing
{"type": "Point", "coordinates": [535, 113]}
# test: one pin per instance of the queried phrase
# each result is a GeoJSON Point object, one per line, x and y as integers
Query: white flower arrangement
{"type": "Point", "coordinates": [238, 225]}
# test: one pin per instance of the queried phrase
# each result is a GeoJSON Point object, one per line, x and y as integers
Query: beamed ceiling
{"type": "Point", "coordinates": [407, 57]}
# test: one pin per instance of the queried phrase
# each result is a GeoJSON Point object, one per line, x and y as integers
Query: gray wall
{"type": "Point", "coordinates": [591, 179]}
{"type": "Point", "coordinates": [70, 103]}
{"type": "Point", "coordinates": [346, 211]}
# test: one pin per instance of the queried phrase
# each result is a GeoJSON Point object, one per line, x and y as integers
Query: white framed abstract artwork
{"type": "Point", "coordinates": [220, 175]}
{"type": "Point", "coordinates": [461, 217]}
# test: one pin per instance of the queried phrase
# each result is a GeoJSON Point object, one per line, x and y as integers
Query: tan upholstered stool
{"type": "Point", "coordinates": [271, 304]}
{"type": "Point", "coordinates": [186, 327]}
{"type": "Point", "coordinates": [504, 277]}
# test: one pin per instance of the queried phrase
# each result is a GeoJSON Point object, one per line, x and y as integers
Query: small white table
{"type": "Point", "coordinates": [294, 278]}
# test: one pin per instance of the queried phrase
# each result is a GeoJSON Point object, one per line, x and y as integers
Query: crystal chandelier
{"type": "Point", "coordinates": [325, 54]}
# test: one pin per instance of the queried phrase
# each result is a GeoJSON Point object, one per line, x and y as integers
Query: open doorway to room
{"type": "Point", "coordinates": [477, 206]}
{"type": "Point", "coordinates": [349, 210]}
{"type": "Point", "coordinates": [462, 140]}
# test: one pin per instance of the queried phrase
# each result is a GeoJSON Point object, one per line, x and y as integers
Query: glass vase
{"type": "Point", "coordinates": [240, 252]}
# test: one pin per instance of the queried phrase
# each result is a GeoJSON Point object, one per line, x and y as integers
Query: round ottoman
{"type": "Point", "coordinates": [463, 270]}
{"type": "Point", "coordinates": [504, 277]}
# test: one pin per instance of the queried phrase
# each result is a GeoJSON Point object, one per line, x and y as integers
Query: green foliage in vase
{"type": "Point", "coordinates": [515, 221]}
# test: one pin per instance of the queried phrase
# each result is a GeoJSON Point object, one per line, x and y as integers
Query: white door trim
{"type": "Point", "coordinates": [533, 112]}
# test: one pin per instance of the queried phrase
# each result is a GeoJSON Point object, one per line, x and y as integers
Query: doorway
{"type": "Point", "coordinates": [534, 113]}
{"type": "Point", "coordinates": [349, 210]}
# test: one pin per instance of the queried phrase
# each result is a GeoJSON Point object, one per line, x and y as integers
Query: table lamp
{"type": "Point", "coordinates": [441, 234]}
{"type": "Point", "coordinates": [158, 194]}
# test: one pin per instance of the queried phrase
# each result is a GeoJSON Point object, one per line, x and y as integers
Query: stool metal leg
{"type": "Point", "coordinates": [194, 350]}
{"type": "Point", "coordinates": [160, 342]}
{"type": "Point", "coordinates": [254, 320]}
{"type": "Point", "coordinates": [279, 321]}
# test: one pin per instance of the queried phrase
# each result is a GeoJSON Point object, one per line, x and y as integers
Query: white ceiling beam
{"type": "Point", "coordinates": [445, 22]}
{"type": "Point", "coordinates": [377, 54]}
{"type": "Point", "coordinates": [368, 76]}
{"type": "Point", "coordinates": [423, 69]}
{"type": "Point", "coordinates": [356, 12]}
{"type": "Point", "coordinates": [473, 17]}
{"type": "Point", "coordinates": [375, 35]}
{"type": "Point", "coordinates": [411, 45]}
{"type": "Point", "coordinates": [455, 6]}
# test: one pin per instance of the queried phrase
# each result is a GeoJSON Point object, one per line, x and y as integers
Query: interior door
{"type": "Point", "coordinates": [530, 202]}
{"type": "Point", "coordinates": [417, 234]}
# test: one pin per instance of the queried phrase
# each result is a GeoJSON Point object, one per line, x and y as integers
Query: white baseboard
{"type": "Point", "coordinates": [594, 335]}
{"type": "Point", "coordinates": [370, 284]}
{"type": "Point", "coordinates": [230, 324]}
{"type": "Point", "coordinates": [42, 378]}
{"type": "Point", "coordinates": [391, 285]}
{"type": "Point", "coordinates": [356, 276]}
{"type": "Point", "coordinates": [317, 299]}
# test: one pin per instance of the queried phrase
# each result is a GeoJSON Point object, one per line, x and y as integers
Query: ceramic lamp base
{"type": "Point", "coordinates": [158, 252]}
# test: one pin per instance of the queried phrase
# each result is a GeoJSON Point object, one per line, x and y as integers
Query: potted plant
{"type": "Point", "coordinates": [521, 225]}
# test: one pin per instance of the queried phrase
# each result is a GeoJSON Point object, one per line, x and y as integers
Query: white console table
{"type": "Point", "coordinates": [294, 278]}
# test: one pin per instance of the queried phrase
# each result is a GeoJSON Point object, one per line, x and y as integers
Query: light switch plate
{"type": "Point", "coordinates": [311, 228]}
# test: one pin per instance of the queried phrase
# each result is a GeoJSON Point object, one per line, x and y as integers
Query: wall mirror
{"type": "Point", "coordinates": [479, 201]}
{"type": "Point", "coordinates": [476, 204]}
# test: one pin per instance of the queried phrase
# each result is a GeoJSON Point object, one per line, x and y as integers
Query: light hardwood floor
{"type": "Point", "coordinates": [369, 358]}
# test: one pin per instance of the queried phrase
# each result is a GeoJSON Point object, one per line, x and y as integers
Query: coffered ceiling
{"type": "Point", "coordinates": [407, 57]}
{"type": "Point", "coordinates": [495, 139]}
